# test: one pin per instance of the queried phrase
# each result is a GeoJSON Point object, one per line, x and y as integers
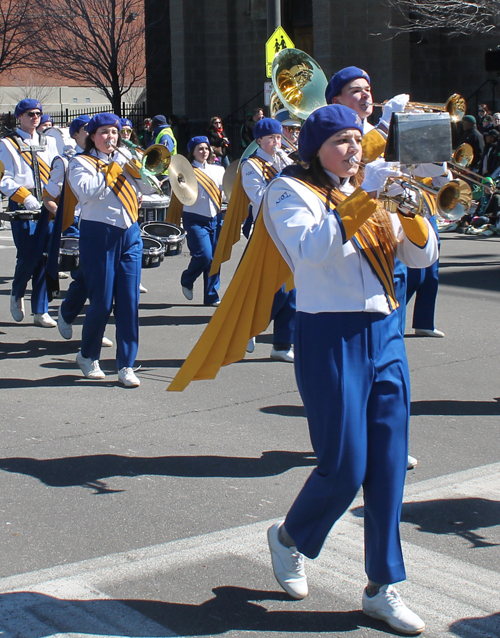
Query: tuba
{"type": "Point", "coordinates": [299, 82]}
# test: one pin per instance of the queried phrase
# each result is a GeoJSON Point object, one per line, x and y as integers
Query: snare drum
{"type": "Point", "coordinates": [153, 208]}
{"type": "Point", "coordinates": [153, 252]}
{"type": "Point", "coordinates": [69, 254]}
{"type": "Point", "coordinates": [171, 236]}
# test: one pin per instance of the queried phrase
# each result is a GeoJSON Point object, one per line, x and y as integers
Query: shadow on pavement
{"type": "Point", "coordinates": [89, 471]}
{"type": "Point", "coordinates": [452, 517]}
{"type": "Point", "coordinates": [477, 626]}
{"type": "Point", "coordinates": [231, 609]}
{"type": "Point", "coordinates": [455, 408]}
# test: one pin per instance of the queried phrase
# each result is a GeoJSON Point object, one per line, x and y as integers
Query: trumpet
{"type": "Point", "coordinates": [455, 105]}
{"type": "Point", "coordinates": [154, 161]}
{"type": "Point", "coordinates": [460, 160]}
{"type": "Point", "coordinates": [453, 199]}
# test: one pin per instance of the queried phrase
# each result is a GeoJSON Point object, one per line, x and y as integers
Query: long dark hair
{"type": "Point", "coordinates": [316, 175]}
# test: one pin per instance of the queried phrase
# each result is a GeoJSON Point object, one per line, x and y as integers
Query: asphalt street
{"type": "Point", "coordinates": [141, 513]}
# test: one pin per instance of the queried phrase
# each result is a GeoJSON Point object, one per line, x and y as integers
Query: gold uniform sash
{"type": "Point", "coordinates": [373, 248]}
{"type": "Point", "coordinates": [237, 212]}
{"type": "Point", "coordinates": [28, 158]}
{"type": "Point", "coordinates": [210, 186]}
{"type": "Point", "coordinates": [120, 186]}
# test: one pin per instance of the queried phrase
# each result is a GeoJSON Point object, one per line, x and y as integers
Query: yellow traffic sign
{"type": "Point", "coordinates": [276, 43]}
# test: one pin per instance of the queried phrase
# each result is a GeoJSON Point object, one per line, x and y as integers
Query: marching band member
{"type": "Point", "coordinates": [127, 133]}
{"type": "Point", "coordinates": [110, 245]}
{"type": "Point", "coordinates": [77, 293]}
{"type": "Point", "coordinates": [45, 123]}
{"type": "Point", "coordinates": [256, 173]}
{"type": "Point", "coordinates": [350, 358]}
{"type": "Point", "coordinates": [291, 129]}
{"type": "Point", "coordinates": [27, 157]}
{"type": "Point", "coordinates": [202, 222]}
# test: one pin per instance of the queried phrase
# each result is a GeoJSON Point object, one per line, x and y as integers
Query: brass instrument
{"type": "Point", "coordinates": [154, 161]}
{"type": "Point", "coordinates": [460, 160]}
{"type": "Point", "coordinates": [453, 199]}
{"type": "Point", "coordinates": [299, 82]}
{"type": "Point", "coordinates": [455, 105]}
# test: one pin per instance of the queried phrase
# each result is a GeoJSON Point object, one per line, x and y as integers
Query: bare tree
{"type": "Point", "coordinates": [33, 87]}
{"type": "Point", "coordinates": [95, 42]}
{"type": "Point", "coordinates": [455, 17]}
{"type": "Point", "coordinates": [15, 24]}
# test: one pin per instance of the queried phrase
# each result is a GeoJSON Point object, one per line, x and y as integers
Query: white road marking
{"type": "Point", "coordinates": [66, 601]}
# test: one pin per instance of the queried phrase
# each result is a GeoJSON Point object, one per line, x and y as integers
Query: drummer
{"type": "Point", "coordinates": [202, 222]}
{"type": "Point", "coordinates": [24, 188]}
{"type": "Point", "coordinates": [45, 123]}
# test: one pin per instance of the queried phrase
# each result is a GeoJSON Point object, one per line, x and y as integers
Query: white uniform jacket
{"type": "Point", "coordinates": [204, 205]}
{"type": "Point", "coordinates": [97, 200]}
{"type": "Point", "coordinates": [17, 172]}
{"type": "Point", "coordinates": [252, 180]}
{"type": "Point", "coordinates": [330, 275]}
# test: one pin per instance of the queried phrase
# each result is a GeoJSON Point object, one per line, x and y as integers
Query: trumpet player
{"type": "Point", "coordinates": [350, 362]}
{"type": "Point", "coordinates": [77, 294]}
{"type": "Point", "coordinates": [107, 188]}
{"type": "Point", "coordinates": [291, 130]}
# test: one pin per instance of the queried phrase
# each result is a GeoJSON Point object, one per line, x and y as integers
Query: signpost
{"type": "Point", "coordinates": [278, 41]}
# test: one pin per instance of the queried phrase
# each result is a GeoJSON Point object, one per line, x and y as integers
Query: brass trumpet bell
{"type": "Point", "coordinates": [156, 159]}
{"type": "Point", "coordinates": [463, 155]}
{"type": "Point", "coordinates": [299, 82]}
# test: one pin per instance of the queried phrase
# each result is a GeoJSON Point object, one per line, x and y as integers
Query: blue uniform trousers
{"type": "Point", "coordinates": [30, 262]}
{"type": "Point", "coordinates": [283, 314]}
{"type": "Point", "coordinates": [352, 374]}
{"type": "Point", "coordinates": [424, 282]}
{"type": "Point", "coordinates": [111, 260]}
{"type": "Point", "coordinates": [202, 234]}
{"type": "Point", "coordinates": [75, 297]}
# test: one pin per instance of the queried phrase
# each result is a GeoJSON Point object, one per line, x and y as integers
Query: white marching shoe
{"type": "Point", "coordinates": [188, 293]}
{"type": "Point", "coordinates": [90, 368]}
{"type": "Point", "coordinates": [127, 377]}
{"type": "Point", "coordinates": [421, 332]}
{"type": "Point", "coordinates": [17, 308]}
{"type": "Point", "coordinates": [283, 355]}
{"type": "Point", "coordinates": [388, 606]}
{"type": "Point", "coordinates": [44, 320]}
{"type": "Point", "coordinates": [65, 329]}
{"type": "Point", "coordinates": [288, 565]}
{"type": "Point", "coordinates": [106, 343]}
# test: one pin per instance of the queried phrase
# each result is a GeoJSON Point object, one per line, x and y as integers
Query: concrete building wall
{"type": "Point", "coordinates": [213, 56]}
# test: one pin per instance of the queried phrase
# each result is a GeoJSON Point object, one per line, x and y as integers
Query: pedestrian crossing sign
{"type": "Point", "coordinates": [276, 43]}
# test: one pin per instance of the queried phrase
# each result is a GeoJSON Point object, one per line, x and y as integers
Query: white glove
{"type": "Point", "coordinates": [394, 105]}
{"type": "Point", "coordinates": [31, 203]}
{"type": "Point", "coordinates": [377, 173]}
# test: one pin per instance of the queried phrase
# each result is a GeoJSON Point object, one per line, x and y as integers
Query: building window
{"type": "Point", "coordinates": [87, 100]}
{"type": "Point", "coordinates": [75, 100]}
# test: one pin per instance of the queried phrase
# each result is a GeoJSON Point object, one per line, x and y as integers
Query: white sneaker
{"type": "Point", "coordinates": [44, 320]}
{"type": "Point", "coordinates": [188, 293]}
{"type": "Point", "coordinates": [283, 355]}
{"type": "Point", "coordinates": [106, 343]}
{"type": "Point", "coordinates": [288, 565]}
{"type": "Point", "coordinates": [251, 345]}
{"type": "Point", "coordinates": [90, 368]}
{"type": "Point", "coordinates": [412, 462]}
{"type": "Point", "coordinates": [142, 288]}
{"type": "Point", "coordinates": [388, 606]}
{"type": "Point", "coordinates": [420, 332]}
{"type": "Point", "coordinates": [63, 275]}
{"type": "Point", "coordinates": [65, 329]}
{"type": "Point", "coordinates": [128, 378]}
{"type": "Point", "coordinates": [17, 308]}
